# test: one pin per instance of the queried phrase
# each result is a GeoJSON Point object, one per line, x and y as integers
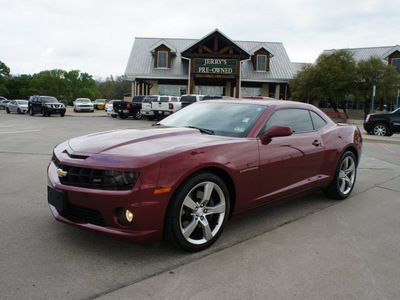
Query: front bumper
{"type": "Point", "coordinates": [368, 126]}
{"type": "Point", "coordinates": [96, 210]}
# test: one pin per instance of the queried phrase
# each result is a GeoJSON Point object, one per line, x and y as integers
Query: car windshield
{"type": "Point", "coordinates": [396, 111]}
{"type": "Point", "coordinates": [22, 102]}
{"type": "Point", "coordinates": [83, 100]}
{"type": "Point", "coordinates": [99, 101]}
{"type": "Point", "coordinates": [226, 119]}
{"type": "Point", "coordinates": [49, 99]}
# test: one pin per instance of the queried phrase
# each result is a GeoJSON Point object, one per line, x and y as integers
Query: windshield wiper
{"type": "Point", "coordinates": [202, 130]}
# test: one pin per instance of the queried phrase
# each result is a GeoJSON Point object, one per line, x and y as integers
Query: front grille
{"type": "Point", "coordinates": [91, 178]}
{"type": "Point", "coordinates": [83, 214]}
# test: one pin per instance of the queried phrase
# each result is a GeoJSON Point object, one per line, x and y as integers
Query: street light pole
{"type": "Point", "coordinates": [372, 101]}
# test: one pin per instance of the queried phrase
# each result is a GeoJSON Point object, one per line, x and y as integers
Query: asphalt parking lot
{"type": "Point", "coordinates": [309, 248]}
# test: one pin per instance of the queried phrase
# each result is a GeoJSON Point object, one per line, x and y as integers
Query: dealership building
{"type": "Point", "coordinates": [212, 65]}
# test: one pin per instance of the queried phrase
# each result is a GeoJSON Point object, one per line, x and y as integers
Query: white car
{"type": "Point", "coordinates": [110, 110]}
{"type": "Point", "coordinates": [83, 104]}
{"type": "Point", "coordinates": [146, 107]}
{"type": "Point", "coordinates": [17, 106]}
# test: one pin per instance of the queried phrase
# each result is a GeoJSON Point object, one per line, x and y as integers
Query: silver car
{"type": "Point", "coordinates": [83, 104]}
{"type": "Point", "coordinates": [17, 106]}
{"type": "Point", "coordinates": [109, 109]}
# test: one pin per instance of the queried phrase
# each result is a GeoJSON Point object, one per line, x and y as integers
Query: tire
{"type": "Point", "coordinates": [122, 116]}
{"type": "Point", "coordinates": [114, 116]}
{"type": "Point", "coordinates": [137, 115]}
{"type": "Point", "coordinates": [193, 223]}
{"type": "Point", "coordinates": [31, 113]}
{"type": "Point", "coordinates": [345, 177]}
{"type": "Point", "coordinates": [151, 118]}
{"type": "Point", "coordinates": [19, 111]}
{"type": "Point", "coordinates": [62, 114]}
{"type": "Point", "coordinates": [44, 113]}
{"type": "Point", "coordinates": [7, 110]}
{"type": "Point", "coordinates": [380, 129]}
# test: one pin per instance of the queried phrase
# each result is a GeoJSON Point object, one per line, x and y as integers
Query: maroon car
{"type": "Point", "coordinates": [184, 178]}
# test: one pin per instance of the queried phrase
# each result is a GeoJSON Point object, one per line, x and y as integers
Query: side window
{"type": "Point", "coordinates": [261, 62]}
{"type": "Point", "coordinates": [162, 59]}
{"type": "Point", "coordinates": [297, 119]}
{"type": "Point", "coordinates": [317, 121]}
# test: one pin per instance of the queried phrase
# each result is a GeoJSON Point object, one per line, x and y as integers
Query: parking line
{"type": "Point", "coordinates": [22, 131]}
{"type": "Point", "coordinates": [387, 149]}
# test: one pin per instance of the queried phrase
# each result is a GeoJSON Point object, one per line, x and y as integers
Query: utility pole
{"type": "Point", "coordinates": [372, 101]}
{"type": "Point", "coordinates": [397, 99]}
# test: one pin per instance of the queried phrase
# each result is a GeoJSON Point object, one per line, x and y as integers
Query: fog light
{"type": "Point", "coordinates": [125, 216]}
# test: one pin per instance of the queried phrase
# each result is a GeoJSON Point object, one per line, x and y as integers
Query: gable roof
{"type": "Point", "coordinates": [162, 42]}
{"type": "Point", "coordinates": [261, 46]}
{"type": "Point", "coordinates": [141, 61]}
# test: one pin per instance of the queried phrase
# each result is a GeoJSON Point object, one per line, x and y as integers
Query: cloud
{"type": "Point", "coordinates": [97, 36]}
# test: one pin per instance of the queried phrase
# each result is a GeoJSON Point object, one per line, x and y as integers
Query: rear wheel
{"type": "Point", "coordinates": [345, 177]}
{"type": "Point", "coordinates": [198, 212]}
{"type": "Point", "coordinates": [380, 129]}
{"type": "Point", "coordinates": [137, 115]}
{"type": "Point", "coordinates": [122, 116]}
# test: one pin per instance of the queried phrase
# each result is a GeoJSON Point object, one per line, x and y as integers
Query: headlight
{"type": "Point", "coordinates": [367, 118]}
{"type": "Point", "coordinates": [120, 179]}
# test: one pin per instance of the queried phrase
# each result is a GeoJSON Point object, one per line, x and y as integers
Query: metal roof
{"type": "Point", "coordinates": [141, 61]}
{"type": "Point", "coordinates": [366, 53]}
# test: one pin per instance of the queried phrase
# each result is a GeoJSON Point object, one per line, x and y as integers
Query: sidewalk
{"type": "Point", "coordinates": [347, 251]}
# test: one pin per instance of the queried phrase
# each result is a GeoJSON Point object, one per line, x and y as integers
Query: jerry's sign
{"type": "Point", "coordinates": [215, 66]}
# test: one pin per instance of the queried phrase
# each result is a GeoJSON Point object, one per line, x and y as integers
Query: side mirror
{"type": "Point", "coordinates": [275, 131]}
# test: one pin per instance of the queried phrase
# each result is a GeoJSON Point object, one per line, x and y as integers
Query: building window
{"type": "Point", "coordinates": [172, 90]}
{"type": "Point", "coordinates": [396, 63]}
{"type": "Point", "coordinates": [162, 59]}
{"type": "Point", "coordinates": [261, 63]}
{"type": "Point", "coordinates": [249, 91]}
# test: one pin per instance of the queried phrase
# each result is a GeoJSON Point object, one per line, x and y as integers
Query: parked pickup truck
{"type": "Point", "coordinates": [189, 99]}
{"type": "Point", "coordinates": [146, 107]}
{"type": "Point", "coordinates": [165, 106]}
{"type": "Point", "coordinates": [383, 124]}
{"type": "Point", "coordinates": [124, 109]}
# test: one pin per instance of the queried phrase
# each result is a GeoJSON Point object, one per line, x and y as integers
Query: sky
{"type": "Point", "coordinates": [96, 37]}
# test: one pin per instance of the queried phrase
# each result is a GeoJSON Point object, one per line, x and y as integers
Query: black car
{"type": "Point", "coordinates": [383, 124]}
{"type": "Point", "coordinates": [45, 105]}
{"type": "Point", "coordinates": [125, 109]}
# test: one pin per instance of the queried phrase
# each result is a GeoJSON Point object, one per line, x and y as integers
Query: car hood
{"type": "Point", "coordinates": [142, 142]}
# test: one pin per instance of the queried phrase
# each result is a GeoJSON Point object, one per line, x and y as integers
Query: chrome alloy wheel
{"type": "Point", "coordinates": [380, 130]}
{"type": "Point", "coordinates": [347, 175]}
{"type": "Point", "coordinates": [202, 213]}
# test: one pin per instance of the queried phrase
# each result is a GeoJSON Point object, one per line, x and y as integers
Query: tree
{"type": "Point", "coordinates": [114, 89]}
{"type": "Point", "coordinates": [375, 72]}
{"type": "Point", "coordinates": [331, 78]}
{"type": "Point", "coordinates": [80, 85]}
{"type": "Point", "coordinates": [50, 83]}
{"type": "Point", "coordinates": [4, 70]}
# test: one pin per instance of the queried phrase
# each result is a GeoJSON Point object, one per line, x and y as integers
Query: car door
{"type": "Point", "coordinates": [12, 106]}
{"type": "Point", "coordinates": [290, 164]}
{"type": "Point", "coordinates": [396, 121]}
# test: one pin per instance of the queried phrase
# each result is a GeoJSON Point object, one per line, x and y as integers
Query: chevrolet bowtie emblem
{"type": "Point", "coordinates": [61, 173]}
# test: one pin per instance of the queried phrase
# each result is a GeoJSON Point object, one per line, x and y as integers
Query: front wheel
{"type": "Point", "coordinates": [44, 113]}
{"type": "Point", "coordinates": [198, 212]}
{"type": "Point", "coordinates": [137, 115]}
{"type": "Point", "coordinates": [380, 129]}
{"type": "Point", "coordinates": [345, 177]}
{"type": "Point", "coordinates": [7, 110]}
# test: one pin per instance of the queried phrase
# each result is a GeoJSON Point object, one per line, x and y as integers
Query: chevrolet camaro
{"type": "Point", "coordinates": [183, 178]}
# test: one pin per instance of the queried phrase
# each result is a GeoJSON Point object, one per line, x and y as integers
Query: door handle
{"type": "Point", "coordinates": [316, 143]}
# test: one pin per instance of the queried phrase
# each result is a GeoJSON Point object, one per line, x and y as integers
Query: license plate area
{"type": "Point", "coordinates": [57, 198]}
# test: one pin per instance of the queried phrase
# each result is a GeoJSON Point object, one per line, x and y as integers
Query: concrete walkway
{"type": "Point", "coordinates": [350, 250]}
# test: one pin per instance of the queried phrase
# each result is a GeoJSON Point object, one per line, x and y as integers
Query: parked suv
{"type": "Point", "coordinates": [383, 124]}
{"type": "Point", "coordinates": [45, 105]}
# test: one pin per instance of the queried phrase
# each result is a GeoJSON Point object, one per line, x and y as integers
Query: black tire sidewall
{"type": "Point", "coordinates": [172, 225]}
{"type": "Point", "coordinates": [333, 190]}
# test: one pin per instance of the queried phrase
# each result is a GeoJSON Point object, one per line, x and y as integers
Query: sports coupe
{"type": "Point", "coordinates": [183, 178]}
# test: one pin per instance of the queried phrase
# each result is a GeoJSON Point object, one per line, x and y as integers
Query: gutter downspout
{"type": "Point", "coordinates": [190, 66]}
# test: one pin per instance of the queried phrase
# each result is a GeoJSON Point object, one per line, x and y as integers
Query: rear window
{"type": "Point", "coordinates": [190, 99]}
{"type": "Point", "coordinates": [150, 99]}
{"type": "Point", "coordinates": [164, 99]}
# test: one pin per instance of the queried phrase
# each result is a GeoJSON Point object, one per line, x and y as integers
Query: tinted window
{"type": "Point", "coordinates": [164, 99]}
{"type": "Point", "coordinates": [297, 119]}
{"type": "Point", "coordinates": [48, 99]}
{"type": "Point", "coordinates": [190, 99]}
{"type": "Point", "coordinates": [317, 121]}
